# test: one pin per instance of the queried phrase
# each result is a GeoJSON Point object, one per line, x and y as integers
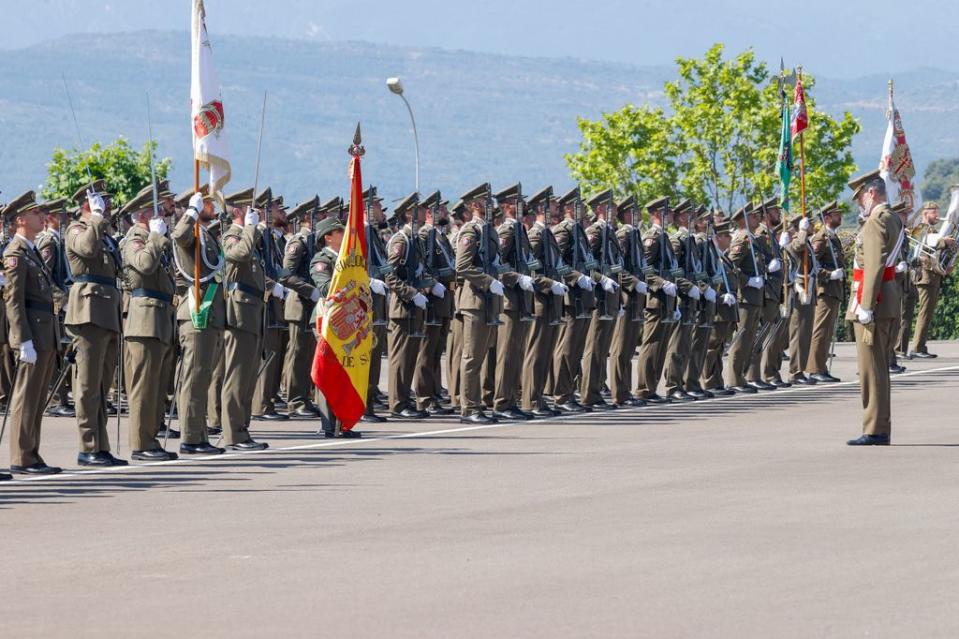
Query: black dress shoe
{"type": "Point", "coordinates": [153, 455]}
{"type": "Point", "coordinates": [478, 418]}
{"type": "Point", "coordinates": [36, 469]}
{"type": "Point", "coordinates": [895, 369]}
{"type": "Point", "coordinates": [653, 398]}
{"type": "Point", "coordinates": [923, 355]}
{"type": "Point", "coordinates": [700, 394]}
{"type": "Point", "coordinates": [869, 440]}
{"type": "Point", "coordinates": [162, 433]}
{"type": "Point", "coordinates": [761, 385]}
{"type": "Point", "coordinates": [213, 430]}
{"type": "Point", "coordinates": [572, 407]}
{"type": "Point", "coordinates": [602, 405]}
{"type": "Point", "coordinates": [371, 418]}
{"type": "Point", "coordinates": [779, 382]}
{"type": "Point", "coordinates": [545, 412]}
{"type": "Point", "coordinates": [343, 434]}
{"type": "Point", "coordinates": [721, 391]}
{"type": "Point", "coordinates": [745, 389]}
{"type": "Point", "coordinates": [5, 477]}
{"type": "Point", "coordinates": [62, 411]}
{"type": "Point", "coordinates": [513, 414]}
{"type": "Point", "coordinates": [824, 378]}
{"type": "Point", "coordinates": [249, 445]}
{"type": "Point", "coordinates": [439, 411]}
{"type": "Point", "coordinates": [272, 416]}
{"type": "Point", "coordinates": [802, 380]}
{"type": "Point", "coordinates": [101, 458]}
{"type": "Point", "coordinates": [410, 413]}
{"type": "Point", "coordinates": [305, 413]}
{"type": "Point", "coordinates": [681, 396]}
{"type": "Point", "coordinates": [203, 448]}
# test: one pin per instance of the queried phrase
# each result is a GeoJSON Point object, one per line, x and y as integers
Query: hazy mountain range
{"type": "Point", "coordinates": [480, 116]}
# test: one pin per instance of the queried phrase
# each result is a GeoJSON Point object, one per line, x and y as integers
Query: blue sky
{"type": "Point", "coordinates": [839, 38]}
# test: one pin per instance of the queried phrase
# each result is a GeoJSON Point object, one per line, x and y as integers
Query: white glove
{"type": "Point", "coordinates": [804, 224]}
{"type": "Point", "coordinates": [157, 225]}
{"type": "Point", "coordinates": [97, 206]}
{"type": "Point", "coordinates": [838, 274]}
{"type": "Point", "coordinates": [378, 286]}
{"type": "Point", "coordinates": [677, 315]}
{"type": "Point", "coordinates": [693, 293]}
{"type": "Point", "coordinates": [315, 295]}
{"type": "Point", "coordinates": [775, 265]}
{"type": "Point", "coordinates": [863, 315]}
{"type": "Point", "coordinates": [196, 203]}
{"type": "Point", "coordinates": [641, 287]}
{"type": "Point", "coordinates": [438, 290]}
{"type": "Point", "coordinates": [784, 239]}
{"type": "Point", "coordinates": [728, 299]}
{"type": "Point", "coordinates": [558, 288]}
{"type": "Point", "coordinates": [670, 289]}
{"type": "Point", "coordinates": [526, 283]}
{"type": "Point", "coordinates": [621, 312]}
{"type": "Point", "coordinates": [3, 280]}
{"type": "Point", "coordinates": [608, 285]}
{"type": "Point", "coordinates": [279, 291]}
{"type": "Point", "coordinates": [901, 267]}
{"type": "Point", "coordinates": [496, 287]}
{"type": "Point", "coordinates": [252, 218]}
{"type": "Point", "coordinates": [755, 281]}
{"type": "Point", "coordinates": [420, 300]}
{"type": "Point", "coordinates": [27, 353]}
{"type": "Point", "coordinates": [710, 294]}
{"type": "Point", "coordinates": [584, 283]}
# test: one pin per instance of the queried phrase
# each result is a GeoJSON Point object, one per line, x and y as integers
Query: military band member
{"type": "Point", "coordinates": [200, 330]}
{"type": "Point", "coordinates": [379, 267]}
{"type": "Point", "coordinates": [34, 334]}
{"type": "Point", "coordinates": [244, 291]}
{"type": "Point", "coordinates": [830, 292]}
{"type": "Point", "coordinates": [479, 299]}
{"type": "Point", "coordinates": [929, 276]}
{"type": "Point", "coordinates": [149, 326]}
{"type": "Point", "coordinates": [874, 303]}
{"type": "Point", "coordinates": [633, 289]}
{"type": "Point", "coordinates": [661, 302]}
{"type": "Point", "coordinates": [439, 264]}
{"type": "Point", "coordinates": [727, 310]}
{"type": "Point", "coordinates": [748, 259]}
{"type": "Point", "coordinates": [803, 311]}
{"type": "Point", "coordinates": [93, 320]}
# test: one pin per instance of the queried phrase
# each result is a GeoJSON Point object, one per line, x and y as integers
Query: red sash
{"type": "Point", "coordinates": [888, 275]}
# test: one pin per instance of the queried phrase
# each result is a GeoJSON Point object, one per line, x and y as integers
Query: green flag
{"type": "Point", "coordinates": [784, 165]}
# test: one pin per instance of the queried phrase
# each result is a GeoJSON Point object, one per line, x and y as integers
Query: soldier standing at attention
{"type": "Point", "coordinates": [929, 277]}
{"type": "Point", "coordinates": [768, 349]}
{"type": "Point", "coordinates": [378, 267]}
{"type": "Point", "coordinates": [830, 292]}
{"type": "Point", "coordinates": [727, 311]}
{"type": "Point", "coordinates": [149, 326]}
{"type": "Point", "coordinates": [747, 258]}
{"type": "Point", "coordinates": [33, 332]}
{"type": "Point", "coordinates": [710, 281]}
{"type": "Point", "coordinates": [93, 320]}
{"type": "Point", "coordinates": [634, 291]}
{"type": "Point", "coordinates": [875, 301]}
{"type": "Point", "coordinates": [803, 314]}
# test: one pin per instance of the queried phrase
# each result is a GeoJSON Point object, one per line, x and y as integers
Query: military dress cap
{"type": "Point", "coordinates": [459, 208]}
{"type": "Point", "coordinates": [860, 181]}
{"type": "Point", "coordinates": [603, 197]}
{"type": "Point", "coordinates": [278, 201]}
{"type": "Point", "coordinates": [831, 207]}
{"type": "Point", "coordinates": [741, 212]}
{"type": "Point", "coordinates": [263, 196]}
{"type": "Point", "coordinates": [99, 186]}
{"type": "Point", "coordinates": [303, 209]}
{"type": "Point", "coordinates": [54, 206]}
{"type": "Point", "coordinates": [702, 213]}
{"type": "Point", "coordinates": [433, 199]}
{"type": "Point", "coordinates": [682, 205]}
{"type": "Point", "coordinates": [657, 204]}
{"type": "Point", "coordinates": [328, 225]}
{"type": "Point", "coordinates": [930, 205]}
{"type": "Point", "coordinates": [540, 197]}
{"type": "Point", "coordinates": [21, 203]}
{"type": "Point", "coordinates": [722, 225]}
{"type": "Point", "coordinates": [627, 204]}
{"type": "Point", "coordinates": [481, 191]}
{"type": "Point", "coordinates": [240, 198]}
{"type": "Point", "coordinates": [569, 197]}
{"type": "Point", "coordinates": [142, 200]}
{"type": "Point", "coordinates": [183, 199]}
{"type": "Point", "coordinates": [510, 192]}
{"type": "Point", "coordinates": [408, 202]}
{"type": "Point", "coordinates": [900, 207]}
{"type": "Point", "coordinates": [370, 192]}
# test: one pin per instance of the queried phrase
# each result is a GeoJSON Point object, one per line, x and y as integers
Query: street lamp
{"type": "Point", "coordinates": [394, 85]}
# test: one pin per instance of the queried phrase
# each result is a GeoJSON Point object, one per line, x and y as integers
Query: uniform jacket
{"type": "Point", "coordinates": [514, 249]}
{"type": "Point", "coordinates": [741, 257]}
{"type": "Point", "coordinates": [295, 276]}
{"type": "Point", "coordinates": [94, 260]}
{"type": "Point", "coordinates": [443, 268]}
{"type": "Point", "coordinates": [659, 259]}
{"type": "Point", "coordinates": [564, 234]}
{"type": "Point", "coordinates": [150, 312]}
{"type": "Point", "coordinates": [182, 237]}
{"type": "Point", "coordinates": [472, 280]}
{"type": "Point", "coordinates": [826, 287]}
{"type": "Point", "coordinates": [244, 279]}
{"type": "Point", "coordinates": [29, 298]}
{"type": "Point", "coordinates": [875, 244]}
{"type": "Point", "coordinates": [321, 271]}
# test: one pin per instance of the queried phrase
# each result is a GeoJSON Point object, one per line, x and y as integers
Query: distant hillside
{"type": "Point", "coordinates": [480, 116]}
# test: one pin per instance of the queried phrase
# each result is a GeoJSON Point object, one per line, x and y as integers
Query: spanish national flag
{"type": "Point", "coordinates": [341, 364]}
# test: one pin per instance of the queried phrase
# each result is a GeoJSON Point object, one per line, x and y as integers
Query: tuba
{"type": "Point", "coordinates": [950, 228]}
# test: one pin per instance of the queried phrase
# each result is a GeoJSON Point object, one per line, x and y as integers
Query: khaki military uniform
{"type": "Point", "coordinates": [628, 325]}
{"type": "Point", "coordinates": [514, 251]}
{"type": "Point", "coordinates": [149, 329]}
{"type": "Point", "coordinates": [679, 335]}
{"type": "Point", "coordinates": [657, 315]}
{"type": "Point", "coordinates": [571, 341]}
{"type": "Point", "coordinates": [803, 313]}
{"type": "Point", "coordinates": [599, 335]}
{"type": "Point", "coordinates": [93, 321]}
{"type": "Point", "coordinates": [928, 282]}
{"type": "Point", "coordinates": [51, 248]}
{"type": "Point", "coordinates": [244, 286]}
{"type": "Point", "coordinates": [751, 302]}
{"type": "Point", "coordinates": [406, 320]}
{"type": "Point", "coordinates": [29, 306]}
{"type": "Point", "coordinates": [724, 322]}
{"type": "Point", "coordinates": [321, 271]}
{"type": "Point", "coordinates": [376, 252]}
{"type": "Point", "coordinates": [298, 308]}
{"type": "Point", "coordinates": [829, 296]}
{"type": "Point", "coordinates": [699, 340]}
{"type": "Point", "coordinates": [875, 288]}
{"type": "Point", "coordinates": [200, 349]}
{"type": "Point", "coordinates": [767, 357]}
{"type": "Point", "coordinates": [426, 371]}
{"type": "Point", "coordinates": [267, 386]}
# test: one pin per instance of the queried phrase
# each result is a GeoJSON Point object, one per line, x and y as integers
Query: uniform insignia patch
{"type": "Point", "coordinates": [320, 267]}
{"type": "Point", "coordinates": [137, 245]}
{"type": "Point", "coordinates": [466, 241]}
{"type": "Point", "coordinates": [292, 247]}
{"type": "Point", "coordinates": [231, 240]}
{"type": "Point", "coordinates": [649, 242]}
{"type": "Point", "coordinates": [47, 253]}
{"type": "Point", "coordinates": [11, 262]}
{"type": "Point", "coordinates": [396, 249]}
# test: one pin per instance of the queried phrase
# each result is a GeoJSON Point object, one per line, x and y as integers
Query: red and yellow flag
{"type": "Point", "coordinates": [341, 364]}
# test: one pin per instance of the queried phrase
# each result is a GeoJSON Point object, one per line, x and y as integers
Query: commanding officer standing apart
{"type": "Point", "coordinates": [93, 321]}
{"type": "Point", "coordinates": [479, 299]}
{"type": "Point", "coordinates": [875, 301]}
{"type": "Point", "coordinates": [33, 333]}
{"type": "Point", "coordinates": [149, 326]}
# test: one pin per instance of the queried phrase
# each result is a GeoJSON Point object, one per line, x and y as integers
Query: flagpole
{"type": "Point", "coordinates": [196, 239]}
{"type": "Point", "coordinates": [802, 194]}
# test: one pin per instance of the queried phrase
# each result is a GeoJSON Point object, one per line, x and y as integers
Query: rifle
{"type": "Point", "coordinates": [607, 268]}
{"type": "Point", "coordinates": [430, 266]}
{"type": "Point", "coordinates": [489, 265]}
{"type": "Point", "coordinates": [553, 266]}
{"type": "Point", "coordinates": [582, 259]}
{"type": "Point", "coordinates": [524, 263]}
{"type": "Point", "coordinates": [674, 273]}
{"type": "Point", "coordinates": [412, 266]}
{"type": "Point", "coordinates": [636, 263]}
{"type": "Point", "coordinates": [719, 267]}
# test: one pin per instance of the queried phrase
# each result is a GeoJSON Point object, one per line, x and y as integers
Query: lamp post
{"type": "Point", "coordinates": [396, 87]}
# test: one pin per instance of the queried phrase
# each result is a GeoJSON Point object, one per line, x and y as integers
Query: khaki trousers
{"type": "Point", "coordinates": [7, 360]}
{"type": "Point", "coordinates": [214, 396]}
{"type": "Point", "coordinates": [928, 296]}
{"type": "Point", "coordinates": [741, 350]}
{"type": "Point", "coordinates": [652, 355]}
{"type": "Point", "coordinates": [766, 361]}
{"type": "Point", "coordinates": [476, 338]}
{"type": "Point", "coordinates": [680, 338]}
{"type": "Point", "coordinates": [599, 339]}
{"type": "Point", "coordinates": [454, 360]}
{"type": "Point", "coordinates": [426, 371]}
{"type": "Point", "coordinates": [800, 337]}
{"type": "Point", "coordinates": [510, 352]}
{"type": "Point", "coordinates": [699, 345]}
{"type": "Point", "coordinates": [267, 385]}
{"type": "Point", "coordinates": [566, 360]}
{"type": "Point", "coordinates": [872, 355]}
{"type": "Point", "coordinates": [823, 332]}
{"type": "Point", "coordinates": [146, 399]}
{"type": "Point", "coordinates": [27, 401]}
{"type": "Point", "coordinates": [624, 341]}
{"type": "Point", "coordinates": [199, 350]}
{"type": "Point", "coordinates": [96, 353]}
{"type": "Point", "coordinates": [403, 348]}
{"type": "Point", "coordinates": [239, 379]}
{"type": "Point", "coordinates": [298, 364]}
{"type": "Point", "coordinates": [712, 375]}
{"type": "Point", "coordinates": [537, 362]}
{"type": "Point", "coordinates": [909, 301]}
{"type": "Point", "coordinates": [376, 367]}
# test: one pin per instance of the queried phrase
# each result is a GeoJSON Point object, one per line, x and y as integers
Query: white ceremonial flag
{"type": "Point", "coordinates": [206, 107]}
{"type": "Point", "coordinates": [896, 166]}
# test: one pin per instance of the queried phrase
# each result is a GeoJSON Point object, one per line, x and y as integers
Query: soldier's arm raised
{"type": "Point", "coordinates": [86, 242]}
{"type": "Point", "coordinates": [15, 269]}
{"type": "Point", "coordinates": [238, 246]}
{"type": "Point", "coordinates": [144, 257]}
{"type": "Point", "coordinates": [183, 231]}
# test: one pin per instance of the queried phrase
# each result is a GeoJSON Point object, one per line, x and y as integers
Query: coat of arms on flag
{"type": "Point", "coordinates": [896, 166]}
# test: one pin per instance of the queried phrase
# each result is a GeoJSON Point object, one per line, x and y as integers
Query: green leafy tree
{"type": "Point", "coordinates": [939, 176]}
{"type": "Point", "coordinates": [124, 169]}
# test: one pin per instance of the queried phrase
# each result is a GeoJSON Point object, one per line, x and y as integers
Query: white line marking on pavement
{"type": "Point", "coordinates": [458, 429]}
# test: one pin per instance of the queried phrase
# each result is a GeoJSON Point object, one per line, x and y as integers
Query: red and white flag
{"type": "Point", "coordinates": [896, 166]}
{"type": "Point", "coordinates": [206, 107]}
{"type": "Point", "coordinates": [800, 118]}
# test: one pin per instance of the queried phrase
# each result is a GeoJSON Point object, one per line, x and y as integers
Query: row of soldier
{"type": "Point", "coordinates": [540, 304]}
